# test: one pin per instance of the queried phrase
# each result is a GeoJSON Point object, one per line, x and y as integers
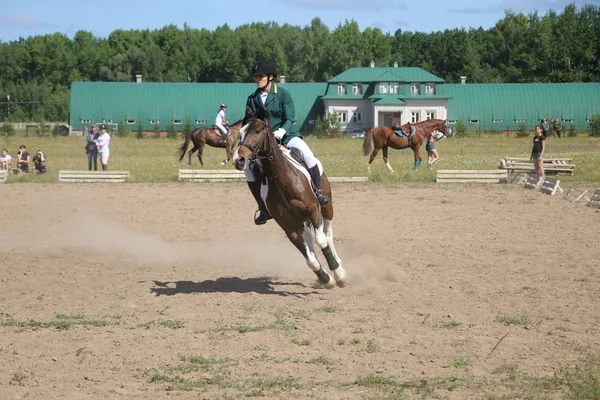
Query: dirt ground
{"type": "Point", "coordinates": [145, 291]}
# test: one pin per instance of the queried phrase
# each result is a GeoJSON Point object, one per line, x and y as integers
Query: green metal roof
{"type": "Point", "coordinates": [386, 74]}
{"type": "Point", "coordinates": [510, 102]}
{"type": "Point", "coordinates": [99, 101]}
{"type": "Point", "coordinates": [387, 100]}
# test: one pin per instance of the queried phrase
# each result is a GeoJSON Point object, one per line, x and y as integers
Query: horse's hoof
{"type": "Point", "coordinates": [329, 285]}
{"type": "Point", "coordinates": [341, 277]}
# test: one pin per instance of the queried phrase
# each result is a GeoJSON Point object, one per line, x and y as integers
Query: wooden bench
{"type": "Point", "coordinates": [468, 176]}
{"type": "Point", "coordinates": [93, 176]}
{"type": "Point", "coordinates": [595, 200]}
{"type": "Point", "coordinates": [228, 175]}
{"type": "Point", "coordinates": [3, 175]}
{"type": "Point", "coordinates": [551, 165]}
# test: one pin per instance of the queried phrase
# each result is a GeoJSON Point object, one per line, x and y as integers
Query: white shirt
{"type": "Point", "coordinates": [103, 141]}
{"type": "Point", "coordinates": [220, 117]}
{"type": "Point", "coordinates": [5, 158]}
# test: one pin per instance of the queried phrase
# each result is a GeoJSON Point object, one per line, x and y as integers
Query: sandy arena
{"type": "Point", "coordinates": [145, 291]}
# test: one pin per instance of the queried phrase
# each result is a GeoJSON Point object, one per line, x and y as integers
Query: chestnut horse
{"type": "Point", "coordinates": [384, 137]}
{"type": "Point", "coordinates": [203, 136]}
{"type": "Point", "coordinates": [290, 198]}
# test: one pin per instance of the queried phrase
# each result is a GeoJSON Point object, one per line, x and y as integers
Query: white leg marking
{"type": "Point", "coordinates": [320, 237]}
{"type": "Point", "coordinates": [339, 274]}
{"type": "Point", "coordinates": [389, 166]}
{"type": "Point", "coordinates": [311, 258]}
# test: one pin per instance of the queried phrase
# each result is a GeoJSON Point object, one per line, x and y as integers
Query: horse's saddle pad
{"type": "Point", "coordinates": [404, 130]}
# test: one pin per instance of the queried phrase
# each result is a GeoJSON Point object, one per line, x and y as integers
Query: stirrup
{"type": "Point", "coordinates": [322, 197]}
{"type": "Point", "coordinates": [261, 218]}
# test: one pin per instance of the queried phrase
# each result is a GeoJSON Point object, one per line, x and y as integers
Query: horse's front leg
{"type": "Point", "coordinates": [385, 158]}
{"type": "Point", "coordinates": [333, 260]}
{"type": "Point", "coordinates": [228, 151]}
{"type": "Point", "coordinates": [304, 242]}
{"type": "Point", "coordinates": [417, 151]}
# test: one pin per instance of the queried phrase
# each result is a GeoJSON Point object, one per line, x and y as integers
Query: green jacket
{"type": "Point", "coordinates": [280, 110]}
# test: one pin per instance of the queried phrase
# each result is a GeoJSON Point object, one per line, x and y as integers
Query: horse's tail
{"type": "Point", "coordinates": [366, 150]}
{"type": "Point", "coordinates": [184, 146]}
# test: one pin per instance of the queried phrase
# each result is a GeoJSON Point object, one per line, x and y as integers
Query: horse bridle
{"type": "Point", "coordinates": [256, 150]}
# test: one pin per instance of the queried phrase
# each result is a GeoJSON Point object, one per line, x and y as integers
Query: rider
{"type": "Point", "coordinates": [281, 112]}
{"type": "Point", "coordinates": [221, 122]}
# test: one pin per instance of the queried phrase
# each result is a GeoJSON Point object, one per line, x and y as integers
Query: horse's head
{"type": "Point", "coordinates": [445, 129]}
{"type": "Point", "coordinates": [254, 139]}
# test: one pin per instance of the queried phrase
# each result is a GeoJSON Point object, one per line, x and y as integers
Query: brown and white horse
{"type": "Point", "coordinates": [290, 198]}
{"type": "Point", "coordinates": [384, 137]}
{"type": "Point", "coordinates": [209, 136]}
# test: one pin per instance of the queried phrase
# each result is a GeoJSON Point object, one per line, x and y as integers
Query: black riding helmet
{"type": "Point", "coordinates": [264, 68]}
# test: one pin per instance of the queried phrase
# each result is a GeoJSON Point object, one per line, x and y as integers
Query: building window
{"type": "Point", "coordinates": [107, 121]}
{"type": "Point", "coordinates": [357, 118]}
{"type": "Point", "coordinates": [414, 117]}
{"type": "Point", "coordinates": [383, 87]}
{"type": "Point", "coordinates": [341, 88]}
{"type": "Point", "coordinates": [394, 87]}
{"type": "Point", "coordinates": [451, 122]}
{"type": "Point", "coordinates": [86, 121]}
{"type": "Point", "coordinates": [200, 121]}
{"type": "Point", "coordinates": [154, 122]}
{"type": "Point", "coordinates": [414, 88]}
{"type": "Point", "coordinates": [520, 121]}
{"type": "Point", "coordinates": [568, 121]}
{"type": "Point", "coordinates": [131, 121]}
{"type": "Point", "coordinates": [429, 88]}
{"type": "Point", "coordinates": [474, 121]}
{"type": "Point", "coordinates": [342, 116]}
{"type": "Point", "coordinates": [312, 121]}
{"type": "Point", "coordinates": [497, 121]}
{"type": "Point", "coordinates": [357, 88]}
{"type": "Point", "coordinates": [176, 122]}
{"type": "Point", "coordinates": [430, 115]}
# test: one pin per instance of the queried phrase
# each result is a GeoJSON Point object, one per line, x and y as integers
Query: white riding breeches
{"type": "Point", "coordinates": [104, 157]}
{"type": "Point", "coordinates": [221, 128]}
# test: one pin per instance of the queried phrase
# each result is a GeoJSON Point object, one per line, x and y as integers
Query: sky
{"type": "Point", "coordinates": [24, 18]}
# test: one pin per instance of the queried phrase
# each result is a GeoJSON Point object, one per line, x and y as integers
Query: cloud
{"type": "Point", "coordinates": [21, 21]}
{"type": "Point", "coordinates": [350, 5]}
{"type": "Point", "coordinates": [518, 6]}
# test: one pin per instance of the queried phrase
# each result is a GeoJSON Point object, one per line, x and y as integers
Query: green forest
{"type": "Point", "coordinates": [36, 72]}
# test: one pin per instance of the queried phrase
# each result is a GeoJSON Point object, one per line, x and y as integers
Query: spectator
{"type": "Point", "coordinates": [91, 148]}
{"type": "Point", "coordinates": [39, 162]}
{"type": "Point", "coordinates": [538, 150]}
{"type": "Point", "coordinates": [5, 160]}
{"type": "Point", "coordinates": [556, 127]}
{"type": "Point", "coordinates": [23, 158]}
{"type": "Point", "coordinates": [545, 127]}
{"type": "Point", "coordinates": [103, 149]}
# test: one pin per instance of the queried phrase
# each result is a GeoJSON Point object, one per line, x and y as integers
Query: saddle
{"type": "Point", "coordinates": [404, 130]}
{"type": "Point", "coordinates": [216, 128]}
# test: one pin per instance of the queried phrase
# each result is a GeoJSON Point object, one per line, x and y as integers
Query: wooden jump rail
{"type": "Point", "coordinates": [471, 176]}
{"type": "Point", "coordinates": [3, 175]}
{"type": "Point", "coordinates": [595, 199]}
{"type": "Point", "coordinates": [93, 176]}
{"type": "Point", "coordinates": [551, 165]}
{"type": "Point", "coordinates": [228, 175]}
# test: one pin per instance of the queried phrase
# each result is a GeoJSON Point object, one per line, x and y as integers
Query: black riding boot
{"type": "Point", "coordinates": [316, 178]}
{"type": "Point", "coordinates": [262, 215]}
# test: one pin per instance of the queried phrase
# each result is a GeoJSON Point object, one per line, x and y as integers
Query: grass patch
{"type": "Point", "coordinates": [154, 160]}
{"type": "Point", "coordinates": [172, 324]}
{"type": "Point", "coordinates": [62, 322]}
{"type": "Point", "coordinates": [521, 320]}
{"type": "Point", "coordinates": [450, 324]}
{"type": "Point", "coordinates": [372, 346]}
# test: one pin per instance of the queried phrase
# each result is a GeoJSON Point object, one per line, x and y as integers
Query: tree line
{"type": "Point", "coordinates": [36, 72]}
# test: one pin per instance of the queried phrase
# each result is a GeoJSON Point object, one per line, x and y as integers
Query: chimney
{"type": "Point", "coordinates": [395, 64]}
{"type": "Point", "coordinates": [282, 79]}
{"type": "Point", "coordinates": [463, 80]}
{"type": "Point", "coordinates": [372, 64]}
{"type": "Point", "coordinates": [138, 78]}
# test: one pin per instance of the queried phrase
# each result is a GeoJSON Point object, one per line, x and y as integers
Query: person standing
{"type": "Point", "coordinates": [91, 148]}
{"type": "Point", "coordinates": [545, 127]}
{"type": "Point", "coordinates": [432, 153]}
{"type": "Point", "coordinates": [103, 148]}
{"type": "Point", "coordinates": [221, 122]}
{"type": "Point", "coordinates": [538, 150]}
{"type": "Point", "coordinates": [279, 105]}
{"type": "Point", "coordinates": [556, 127]}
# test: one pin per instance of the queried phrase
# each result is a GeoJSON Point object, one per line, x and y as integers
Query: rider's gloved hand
{"type": "Point", "coordinates": [279, 133]}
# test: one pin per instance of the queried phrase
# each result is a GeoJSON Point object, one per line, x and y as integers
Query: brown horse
{"type": "Point", "coordinates": [290, 198]}
{"type": "Point", "coordinates": [203, 136]}
{"type": "Point", "coordinates": [384, 137]}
